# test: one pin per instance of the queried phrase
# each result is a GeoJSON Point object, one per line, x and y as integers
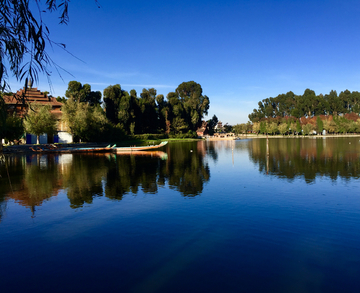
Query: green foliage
{"type": "Point", "coordinates": [189, 134]}
{"type": "Point", "coordinates": [256, 127]}
{"type": "Point", "coordinates": [212, 123]}
{"type": "Point", "coordinates": [271, 128]}
{"type": "Point", "coordinates": [227, 128]}
{"type": "Point", "coordinates": [262, 127]}
{"type": "Point", "coordinates": [298, 127]}
{"type": "Point", "coordinates": [319, 125]}
{"type": "Point", "coordinates": [283, 128]}
{"type": "Point", "coordinates": [307, 105]}
{"type": "Point", "coordinates": [14, 128]}
{"type": "Point", "coordinates": [11, 126]}
{"type": "Point", "coordinates": [181, 111]}
{"type": "Point", "coordinates": [40, 120]}
{"type": "Point", "coordinates": [240, 128]}
{"type": "Point", "coordinates": [61, 99]}
{"type": "Point", "coordinates": [195, 104]}
{"type": "Point", "coordinates": [82, 93]}
{"type": "Point", "coordinates": [112, 97]}
{"type": "Point", "coordinates": [148, 136]}
{"type": "Point", "coordinates": [84, 121]}
{"type": "Point", "coordinates": [307, 129]}
{"type": "Point", "coordinates": [3, 116]}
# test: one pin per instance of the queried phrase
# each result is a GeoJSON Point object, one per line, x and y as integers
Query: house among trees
{"type": "Point", "coordinates": [203, 129]}
{"type": "Point", "coordinates": [19, 103]}
{"type": "Point", "coordinates": [219, 127]}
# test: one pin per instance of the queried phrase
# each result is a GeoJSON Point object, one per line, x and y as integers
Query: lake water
{"type": "Point", "coordinates": [226, 216]}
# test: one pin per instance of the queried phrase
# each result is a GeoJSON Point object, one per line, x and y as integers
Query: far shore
{"type": "Point", "coordinates": [245, 136]}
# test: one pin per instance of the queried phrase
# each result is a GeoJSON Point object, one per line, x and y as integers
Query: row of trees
{"type": "Point", "coordinates": [307, 105]}
{"type": "Point", "coordinates": [182, 110]}
{"type": "Point", "coordinates": [87, 118]}
{"type": "Point", "coordinates": [348, 123]}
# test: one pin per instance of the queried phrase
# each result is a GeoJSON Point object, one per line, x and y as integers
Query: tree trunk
{"type": "Point", "coordinates": [1, 145]}
{"type": "Point", "coordinates": [38, 139]}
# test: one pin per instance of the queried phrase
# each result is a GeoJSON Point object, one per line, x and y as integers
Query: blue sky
{"type": "Point", "coordinates": [239, 51]}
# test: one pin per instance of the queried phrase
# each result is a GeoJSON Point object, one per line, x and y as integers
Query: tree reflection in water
{"type": "Point", "coordinates": [304, 157]}
{"type": "Point", "coordinates": [83, 177]}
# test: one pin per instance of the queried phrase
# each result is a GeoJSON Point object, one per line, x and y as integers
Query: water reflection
{"type": "Point", "coordinates": [83, 177]}
{"type": "Point", "coordinates": [307, 158]}
{"type": "Point", "coordinates": [181, 166]}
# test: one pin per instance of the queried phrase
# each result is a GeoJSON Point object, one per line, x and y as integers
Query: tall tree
{"type": "Point", "coordinates": [163, 108]}
{"type": "Point", "coordinates": [334, 104]}
{"type": "Point", "coordinates": [196, 104]}
{"type": "Point", "coordinates": [149, 111]}
{"type": "Point", "coordinates": [345, 98]}
{"type": "Point", "coordinates": [112, 97]}
{"type": "Point", "coordinates": [213, 122]}
{"type": "Point", "coordinates": [82, 93]}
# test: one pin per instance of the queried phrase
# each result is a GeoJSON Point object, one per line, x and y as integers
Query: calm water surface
{"type": "Point", "coordinates": [229, 216]}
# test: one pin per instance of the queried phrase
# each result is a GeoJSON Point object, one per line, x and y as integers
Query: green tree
{"type": "Point", "coordinates": [227, 128]}
{"type": "Point", "coordinates": [149, 116]}
{"type": "Point", "coordinates": [212, 123]}
{"type": "Point", "coordinates": [40, 120]}
{"type": "Point", "coordinates": [298, 127]}
{"type": "Point", "coordinates": [11, 126]}
{"type": "Point", "coordinates": [319, 125]}
{"type": "Point", "coordinates": [179, 125]}
{"type": "Point", "coordinates": [263, 127]}
{"type": "Point", "coordinates": [334, 103]}
{"type": "Point", "coordinates": [162, 107]}
{"type": "Point", "coordinates": [307, 129]}
{"type": "Point", "coordinates": [3, 116]}
{"type": "Point", "coordinates": [283, 128]}
{"type": "Point", "coordinates": [345, 98]}
{"type": "Point", "coordinates": [195, 104]}
{"type": "Point", "coordinates": [14, 127]}
{"type": "Point", "coordinates": [176, 112]}
{"type": "Point", "coordinates": [82, 93]}
{"type": "Point", "coordinates": [256, 127]}
{"type": "Point", "coordinates": [240, 128]}
{"type": "Point", "coordinates": [112, 97]}
{"type": "Point", "coordinates": [271, 128]}
{"type": "Point", "coordinates": [84, 122]}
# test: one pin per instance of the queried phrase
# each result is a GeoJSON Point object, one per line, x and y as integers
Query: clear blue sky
{"type": "Point", "coordinates": [239, 51]}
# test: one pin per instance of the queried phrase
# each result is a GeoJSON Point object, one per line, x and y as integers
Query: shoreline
{"type": "Point", "coordinates": [247, 136]}
{"type": "Point", "coordinates": [299, 136]}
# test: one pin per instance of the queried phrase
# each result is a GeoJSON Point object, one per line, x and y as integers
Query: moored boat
{"type": "Point", "coordinates": [139, 148]}
{"type": "Point", "coordinates": [57, 149]}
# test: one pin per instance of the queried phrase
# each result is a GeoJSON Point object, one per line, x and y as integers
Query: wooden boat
{"type": "Point", "coordinates": [55, 149]}
{"type": "Point", "coordinates": [139, 148]}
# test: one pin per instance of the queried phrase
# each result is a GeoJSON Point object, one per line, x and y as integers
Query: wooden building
{"type": "Point", "coordinates": [19, 104]}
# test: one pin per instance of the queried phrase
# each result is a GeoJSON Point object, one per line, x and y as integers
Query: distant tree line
{"type": "Point", "coordinates": [308, 113]}
{"type": "Point", "coordinates": [348, 123]}
{"type": "Point", "coordinates": [307, 105]}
